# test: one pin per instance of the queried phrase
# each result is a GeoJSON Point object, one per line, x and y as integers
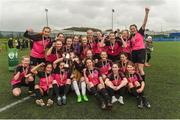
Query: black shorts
{"type": "Point", "coordinates": [19, 85]}
{"type": "Point", "coordinates": [35, 61]}
{"type": "Point", "coordinates": [139, 56]}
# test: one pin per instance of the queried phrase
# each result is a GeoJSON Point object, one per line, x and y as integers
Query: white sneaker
{"type": "Point", "coordinates": [114, 99]}
{"type": "Point", "coordinates": [120, 100]}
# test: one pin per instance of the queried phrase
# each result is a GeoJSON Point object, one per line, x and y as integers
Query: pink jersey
{"type": "Point", "coordinates": [96, 48]}
{"type": "Point", "coordinates": [23, 72]}
{"type": "Point", "coordinates": [61, 78]}
{"type": "Point", "coordinates": [127, 49]}
{"type": "Point", "coordinates": [51, 58]}
{"type": "Point", "coordinates": [94, 78]}
{"type": "Point", "coordinates": [38, 49]}
{"type": "Point", "coordinates": [137, 42]}
{"type": "Point", "coordinates": [13, 81]}
{"type": "Point", "coordinates": [113, 50]}
{"type": "Point", "coordinates": [134, 78]}
{"type": "Point", "coordinates": [45, 82]}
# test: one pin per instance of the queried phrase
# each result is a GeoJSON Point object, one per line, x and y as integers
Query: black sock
{"type": "Point", "coordinates": [97, 95]}
{"type": "Point", "coordinates": [93, 90]}
{"type": "Point", "coordinates": [56, 89]}
{"type": "Point", "coordinates": [134, 92]}
{"type": "Point", "coordinates": [143, 77]}
{"type": "Point", "coordinates": [38, 94]}
{"type": "Point", "coordinates": [110, 91]}
{"type": "Point", "coordinates": [67, 86]}
{"type": "Point", "coordinates": [122, 91]}
{"type": "Point", "coordinates": [141, 94]}
{"type": "Point", "coordinates": [50, 93]}
{"type": "Point", "coordinates": [31, 85]}
{"type": "Point", "coordinates": [105, 94]}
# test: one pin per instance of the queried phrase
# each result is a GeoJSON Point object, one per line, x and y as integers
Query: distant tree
{"type": "Point", "coordinates": [82, 29]}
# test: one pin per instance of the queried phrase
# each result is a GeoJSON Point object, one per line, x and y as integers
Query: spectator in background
{"type": "Point", "coordinates": [10, 43]}
{"type": "Point", "coordinates": [149, 49]}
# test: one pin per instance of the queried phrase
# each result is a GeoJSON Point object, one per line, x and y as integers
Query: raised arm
{"type": "Point", "coordinates": [32, 36]}
{"type": "Point", "coordinates": [50, 49]}
{"type": "Point", "coordinates": [36, 67]}
{"type": "Point", "coordinates": [145, 18]}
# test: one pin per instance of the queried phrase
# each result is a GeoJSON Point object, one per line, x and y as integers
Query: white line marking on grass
{"type": "Point", "coordinates": [14, 103]}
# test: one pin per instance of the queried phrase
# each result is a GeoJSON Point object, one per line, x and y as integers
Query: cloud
{"type": "Point", "coordinates": [20, 14]}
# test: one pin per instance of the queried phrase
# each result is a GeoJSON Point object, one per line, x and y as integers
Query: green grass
{"type": "Point", "coordinates": [162, 89]}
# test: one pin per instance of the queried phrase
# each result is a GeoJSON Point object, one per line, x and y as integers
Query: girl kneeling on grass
{"type": "Point", "coordinates": [20, 77]}
{"type": "Point", "coordinates": [96, 85]}
{"type": "Point", "coordinates": [116, 82]}
{"type": "Point", "coordinates": [136, 86]}
{"type": "Point", "coordinates": [62, 82]}
{"type": "Point", "coordinates": [45, 84]}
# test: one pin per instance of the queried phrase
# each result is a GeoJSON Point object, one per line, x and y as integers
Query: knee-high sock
{"type": "Point", "coordinates": [121, 91]}
{"type": "Point", "coordinates": [31, 85]}
{"type": "Point", "coordinates": [105, 94]}
{"type": "Point", "coordinates": [110, 91]}
{"type": "Point", "coordinates": [134, 92]}
{"type": "Point", "coordinates": [50, 93]}
{"type": "Point", "coordinates": [76, 88]}
{"type": "Point", "coordinates": [97, 95]}
{"type": "Point", "coordinates": [38, 94]}
{"type": "Point", "coordinates": [67, 86]}
{"type": "Point", "coordinates": [83, 88]}
{"type": "Point", "coordinates": [56, 89]}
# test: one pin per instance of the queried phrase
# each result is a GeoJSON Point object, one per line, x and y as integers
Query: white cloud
{"type": "Point", "coordinates": [20, 14]}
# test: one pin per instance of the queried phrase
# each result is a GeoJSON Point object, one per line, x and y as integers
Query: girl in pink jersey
{"type": "Point", "coordinates": [116, 82]}
{"type": "Point", "coordinates": [84, 47]}
{"type": "Point", "coordinates": [104, 65]}
{"type": "Point", "coordinates": [123, 62]}
{"type": "Point", "coordinates": [98, 45]}
{"type": "Point", "coordinates": [96, 84]}
{"type": "Point", "coordinates": [21, 77]}
{"type": "Point", "coordinates": [40, 42]}
{"type": "Point", "coordinates": [113, 47]}
{"type": "Point", "coordinates": [45, 84]}
{"type": "Point", "coordinates": [136, 86]}
{"type": "Point", "coordinates": [126, 46]}
{"type": "Point", "coordinates": [54, 52]}
{"type": "Point", "coordinates": [62, 82]}
{"type": "Point", "coordinates": [137, 44]}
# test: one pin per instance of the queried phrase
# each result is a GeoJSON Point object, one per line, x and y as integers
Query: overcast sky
{"type": "Point", "coordinates": [21, 14]}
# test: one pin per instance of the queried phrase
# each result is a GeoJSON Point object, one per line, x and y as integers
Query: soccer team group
{"type": "Point", "coordinates": [108, 66]}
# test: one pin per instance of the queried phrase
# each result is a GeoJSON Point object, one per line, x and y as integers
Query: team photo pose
{"type": "Point", "coordinates": [116, 83]}
{"type": "Point", "coordinates": [40, 42]}
{"type": "Point", "coordinates": [21, 77]}
{"type": "Point", "coordinates": [78, 80]}
{"type": "Point", "coordinates": [61, 82]}
{"type": "Point", "coordinates": [54, 52]}
{"type": "Point", "coordinates": [96, 84]}
{"type": "Point", "coordinates": [123, 62]}
{"type": "Point", "coordinates": [138, 47]}
{"type": "Point", "coordinates": [44, 87]}
{"type": "Point", "coordinates": [126, 43]}
{"type": "Point", "coordinates": [113, 47]}
{"type": "Point", "coordinates": [104, 65]}
{"type": "Point", "coordinates": [136, 86]}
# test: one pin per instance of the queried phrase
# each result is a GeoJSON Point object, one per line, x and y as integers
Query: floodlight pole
{"type": "Point", "coordinates": [46, 10]}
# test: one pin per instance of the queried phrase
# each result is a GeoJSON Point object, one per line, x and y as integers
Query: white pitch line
{"type": "Point", "coordinates": [14, 103]}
